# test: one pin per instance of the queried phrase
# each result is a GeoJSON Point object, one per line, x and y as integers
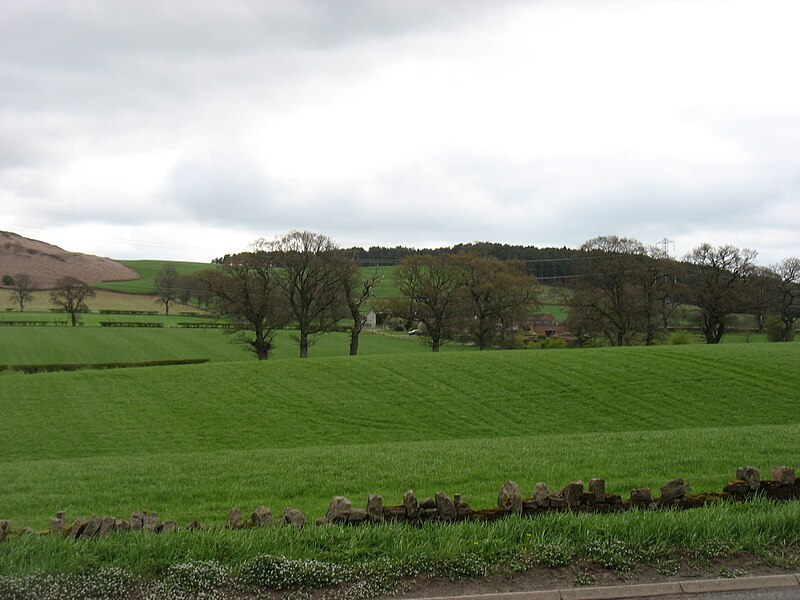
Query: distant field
{"type": "Point", "coordinates": [40, 345]}
{"type": "Point", "coordinates": [190, 442]}
{"type": "Point", "coordinates": [104, 300]}
{"type": "Point", "coordinates": [148, 269]}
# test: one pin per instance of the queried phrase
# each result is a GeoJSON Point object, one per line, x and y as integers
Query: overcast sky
{"type": "Point", "coordinates": [186, 129]}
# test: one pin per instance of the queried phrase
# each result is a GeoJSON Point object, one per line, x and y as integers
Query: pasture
{"type": "Point", "coordinates": [147, 270]}
{"type": "Point", "coordinates": [191, 442]}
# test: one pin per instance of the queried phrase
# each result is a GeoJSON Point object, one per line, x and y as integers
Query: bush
{"type": "Point", "coordinates": [681, 338]}
{"type": "Point", "coordinates": [775, 330]}
{"type": "Point", "coordinates": [551, 342]}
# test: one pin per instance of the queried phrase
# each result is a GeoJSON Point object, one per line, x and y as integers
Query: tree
{"type": "Point", "coordinates": [718, 285]}
{"type": "Point", "coordinates": [245, 289]}
{"type": "Point", "coordinates": [764, 287]}
{"type": "Point", "coordinates": [356, 290]}
{"type": "Point", "coordinates": [168, 286]}
{"type": "Point", "coordinates": [309, 281]}
{"type": "Point", "coordinates": [605, 295]}
{"type": "Point", "coordinates": [788, 297]}
{"type": "Point", "coordinates": [70, 295]}
{"type": "Point", "coordinates": [656, 279]}
{"type": "Point", "coordinates": [22, 288]}
{"type": "Point", "coordinates": [500, 295]}
{"type": "Point", "coordinates": [8, 280]}
{"type": "Point", "coordinates": [432, 292]}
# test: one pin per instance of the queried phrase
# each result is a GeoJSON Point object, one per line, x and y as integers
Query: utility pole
{"type": "Point", "coordinates": [664, 245]}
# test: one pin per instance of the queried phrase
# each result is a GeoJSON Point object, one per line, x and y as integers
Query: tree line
{"type": "Point", "coordinates": [624, 292]}
{"type": "Point", "coordinates": [305, 281]}
{"type": "Point", "coordinates": [551, 264]}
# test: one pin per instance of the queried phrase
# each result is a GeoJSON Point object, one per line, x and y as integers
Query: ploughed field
{"type": "Point", "coordinates": [190, 442]}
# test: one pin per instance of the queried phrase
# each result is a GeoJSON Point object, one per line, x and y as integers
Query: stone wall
{"type": "Point", "coordinates": [574, 497]}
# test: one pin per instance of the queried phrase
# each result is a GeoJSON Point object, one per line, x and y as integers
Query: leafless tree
{"type": "Point", "coordinates": [432, 294]}
{"type": "Point", "coordinates": [500, 295]}
{"type": "Point", "coordinates": [788, 298]}
{"type": "Point", "coordinates": [718, 285]}
{"type": "Point", "coordinates": [245, 290]}
{"type": "Point", "coordinates": [70, 295]}
{"type": "Point", "coordinates": [356, 289]}
{"type": "Point", "coordinates": [308, 279]}
{"type": "Point", "coordinates": [21, 290]}
{"type": "Point", "coordinates": [168, 286]}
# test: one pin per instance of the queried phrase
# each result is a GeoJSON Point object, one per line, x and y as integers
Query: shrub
{"type": "Point", "coordinates": [680, 338]}
{"type": "Point", "coordinates": [776, 330]}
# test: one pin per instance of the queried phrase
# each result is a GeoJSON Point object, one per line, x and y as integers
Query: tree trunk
{"type": "Point", "coordinates": [354, 340]}
{"type": "Point", "coordinates": [303, 343]}
{"type": "Point", "coordinates": [435, 342]}
{"type": "Point", "coordinates": [74, 316]}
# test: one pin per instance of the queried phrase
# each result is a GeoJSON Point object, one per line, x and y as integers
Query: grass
{"type": "Point", "coordinates": [40, 305]}
{"type": "Point", "coordinates": [54, 345]}
{"type": "Point", "coordinates": [298, 432]}
{"type": "Point", "coordinates": [147, 270]}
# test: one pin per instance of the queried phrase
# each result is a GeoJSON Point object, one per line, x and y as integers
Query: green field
{"type": "Point", "coordinates": [190, 442]}
{"type": "Point", "coordinates": [147, 270]}
{"type": "Point", "coordinates": [103, 300]}
{"type": "Point", "coordinates": [55, 345]}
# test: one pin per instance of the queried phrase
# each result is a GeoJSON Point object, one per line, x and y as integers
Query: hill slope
{"type": "Point", "coordinates": [190, 442]}
{"type": "Point", "coordinates": [46, 263]}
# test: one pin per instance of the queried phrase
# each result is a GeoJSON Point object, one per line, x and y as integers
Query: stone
{"type": "Point", "coordinates": [427, 513]}
{"type": "Point", "coordinates": [457, 499]}
{"type": "Point", "coordinates": [464, 510]}
{"type": "Point", "coordinates": [375, 507]}
{"type": "Point", "coordinates": [261, 517]}
{"type": "Point", "coordinates": [427, 503]}
{"type": "Point", "coordinates": [339, 509]}
{"type": "Point", "coordinates": [556, 500]}
{"type": "Point", "coordinates": [5, 530]}
{"type": "Point", "coordinates": [783, 475]}
{"type": "Point", "coordinates": [195, 524]}
{"type": "Point", "coordinates": [320, 521]}
{"type": "Point", "coordinates": [411, 505]}
{"type": "Point", "coordinates": [150, 522]}
{"type": "Point", "coordinates": [234, 520]}
{"type": "Point", "coordinates": [122, 525]}
{"type": "Point", "coordinates": [751, 475]}
{"type": "Point", "coordinates": [541, 495]}
{"type": "Point", "coordinates": [169, 526]}
{"type": "Point", "coordinates": [737, 488]}
{"type": "Point", "coordinates": [445, 507]}
{"type": "Point", "coordinates": [597, 487]}
{"type": "Point", "coordinates": [56, 526]}
{"type": "Point", "coordinates": [614, 500]}
{"type": "Point", "coordinates": [75, 530]}
{"type": "Point", "coordinates": [357, 515]}
{"type": "Point", "coordinates": [107, 527]}
{"type": "Point", "coordinates": [572, 493]}
{"type": "Point", "coordinates": [137, 519]}
{"type": "Point", "coordinates": [672, 490]}
{"type": "Point", "coordinates": [641, 496]}
{"type": "Point", "coordinates": [92, 527]}
{"type": "Point", "coordinates": [295, 518]}
{"type": "Point", "coordinates": [509, 498]}
{"type": "Point", "coordinates": [394, 513]}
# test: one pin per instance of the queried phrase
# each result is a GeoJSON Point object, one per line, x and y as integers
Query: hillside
{"type": "Point", "coordinates": [297, 432]}
{"type": "Point", "coordinates": [46, 263]}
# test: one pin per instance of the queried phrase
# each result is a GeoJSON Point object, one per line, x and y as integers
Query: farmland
{"type": "Point", "coordinates": [297, 432]}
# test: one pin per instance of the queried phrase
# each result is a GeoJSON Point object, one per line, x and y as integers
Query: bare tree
{"type": "Point", "coordinates": [168, 286]}
{"type": "Point", "coordinates": [245, 289]}
{"type": "Point", "coordinates": [500, 295]}
{"type": "Point", "coordinates": [356, 289]}
{"type": "Point", "coordinates": [432, 294]}
{"type": "Point", "coordinates": [22, 288]}
{"type": "Point", "coordinates": [70, 295]}
{"type": "Point", "coordinates": [788, 297]}
{"type": "Point", "coordinates": [718, 285]}
{"type": "Point", "coordinates": [605, 295]}
{"type": "Point", "coordinates": [308, 279]}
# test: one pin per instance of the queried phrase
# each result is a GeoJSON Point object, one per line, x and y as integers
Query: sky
{"type": "Point", "coordinates": [185, 130]}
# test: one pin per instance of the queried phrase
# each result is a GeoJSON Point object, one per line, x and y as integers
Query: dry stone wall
{"type": "Point", "coordinates": [674, 495]}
